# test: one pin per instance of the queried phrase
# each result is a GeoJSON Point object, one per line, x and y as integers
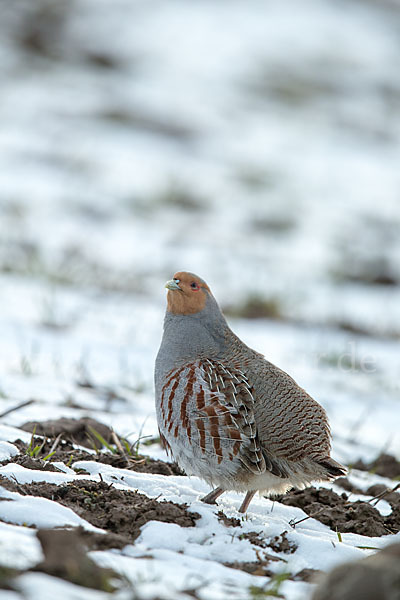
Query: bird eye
{"type": "Point", "coordinates": [176, 280]}
{"type": "Point", "coordinates": [194, 285]}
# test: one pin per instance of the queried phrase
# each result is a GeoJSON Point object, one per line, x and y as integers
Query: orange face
{"type": "Point", "coordinates": [187, 294]}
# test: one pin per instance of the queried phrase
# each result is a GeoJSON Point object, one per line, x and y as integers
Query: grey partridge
{"type": "Point", "coordinates": [225, 413]}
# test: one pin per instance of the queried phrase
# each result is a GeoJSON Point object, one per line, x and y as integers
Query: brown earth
{"type": "Point", "coordinates": [378, 491]}
{"type": "Point", "coordinates": [228, 521]}
{"type": "Point", "coordinates": [119, 512]}
{"type": "Point", "coordinates": [78, 431]}
{"type": "Point", "coordinates": [381, 491]}
{"type": "Point", "coordinates": [375, 577]}
{"type": "Point", "coordinates": [254, 538]}
{"type": "Point", "coordinates": [81, 432]}
{"type": "Point", "coordinates": [68, 454]}
{"type": "Point", "coordinates": [259, 567]}
{"type": "Point", "coordinates": [341, 515]}
{"type": "Point", "coordinates": [324, 505]}
{"type": "Point", "coordinates": [122, 513]}
{"type": "Point", "coordinates": [385, 465]}
{"type": "Point", "coordinates": [280, 543]}
{"type": "Point", "coordinates": [65, 556]}
{"type": "Point", "coordinates": [345, 484]}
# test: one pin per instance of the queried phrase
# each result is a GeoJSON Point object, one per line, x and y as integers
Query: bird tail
{"type": "Point", "coordinates": [334, 468]}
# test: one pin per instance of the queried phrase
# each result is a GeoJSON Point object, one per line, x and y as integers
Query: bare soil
{"type": "Point", "coordinates": [346, 485]}
{"type": "Point", "coordinates": [78, 431]}
{"type": "Point", "coordinates": [228, 521]}
{"type": "Point", "coordinates": [65, 556]}
{"type": "Point", "coordinates": [255, 538]}
{"type": "Point", "coordinates": [119, 512]}
{"type": "Point", "coordinates": [342, 515]}
{"type": "Point", "coordinates": [74, 432]}
{"type": "Point", "coordinates": [334, 510]}
{"type": "Point", "coordinates": [122, 513]}
{"type": "Point", "coordinates": [260, 567]}
{"type": "Point", "coordinates": [67, 454]}
{"type": "Point", "coordinates": [280, 543]}
{"type": "Point", "coordinates": [385, 465]}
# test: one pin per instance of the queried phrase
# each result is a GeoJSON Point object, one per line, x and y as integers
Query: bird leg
{"type": "Point", "coordinates": [212, 496]}
{"type": "Point", "coordinates": [245, 504]}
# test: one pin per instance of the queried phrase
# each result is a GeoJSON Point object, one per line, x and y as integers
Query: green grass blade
{"type": "Point", "coordinates": [102, 441]}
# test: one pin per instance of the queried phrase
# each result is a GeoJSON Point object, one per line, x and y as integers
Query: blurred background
{"type": "Point", "coordinates": [256, 144]}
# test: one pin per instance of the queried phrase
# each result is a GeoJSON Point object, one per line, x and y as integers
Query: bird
{"type": "Point", "coordinates": [225, 413]}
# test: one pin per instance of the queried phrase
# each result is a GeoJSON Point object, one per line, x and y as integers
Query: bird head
{"type": "Point", "coordinates": [187, 294]}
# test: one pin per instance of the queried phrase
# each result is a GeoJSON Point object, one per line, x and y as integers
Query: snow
{"type": "Point", "coordinates": [19, 546]}
{"type": "Point", "coordinates": [38, 586]}
{"type": "Point", "coordinates": [257, 146]}
{"type": "Point", "coordinates": [12, 434]}
{"type": "Point", "coordinates": [7, 451]}
{"type": "Point", "coordinates": [182, 554]}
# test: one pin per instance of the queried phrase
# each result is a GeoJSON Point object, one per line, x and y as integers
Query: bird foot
{"type": "Point", "coordinates": [245, 504]}
{"type": "Point", "coordinates": [212, 496]}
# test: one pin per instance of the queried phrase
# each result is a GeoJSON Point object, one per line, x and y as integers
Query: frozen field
{"type": "Point", "coordinates": [255, 144]}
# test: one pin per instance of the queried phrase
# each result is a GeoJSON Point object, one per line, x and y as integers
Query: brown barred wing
{"type": "Point", "coordinates": [211, 406]}
{"type": "Point", "coordinates": [291, 424]}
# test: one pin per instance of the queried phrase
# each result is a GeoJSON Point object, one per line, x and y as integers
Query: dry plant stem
{"type": "Point", "coordinates": [18, 483]}
{"type": "Point", "coordinates": [383, 494]}
{"type": "Point", "coordinates": [293, 524]}
{"type": "Point", "coordinates": [117, 442]}
{"type": "Point", "coordinates": [56, 442]}
{"type": "Point", "coordinates": [17, 407]}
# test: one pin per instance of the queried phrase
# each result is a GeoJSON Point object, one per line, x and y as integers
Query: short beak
{"type": "Point", "coordinates": [172, 285]}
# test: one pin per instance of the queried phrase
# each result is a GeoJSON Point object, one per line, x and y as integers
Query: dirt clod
{"type": "Point", "coordinates": [259, 567]}
{"type": "Point", "coordinates": [80, 431]}
{"type": "Point", "coordinates": [254, 538]}
{"type": "Point", "coordinates": [345, 484]}
{"type": "Point", "coordinates": [65, 556]}
{"type": "Point", "coordinates": [280, 543]}
{"type": "Point", "coordinates": [385, 465]}
{"type": "Point", "coordinates": [228, 521]}
{"type": "Point", "coordinates": [120, 512]}
{"type": "Point", "coordinates": [340, 515]}
{"type": "Point", "coordinates": [381, 491]}
{"type": "Point", "coordinates": [76, 430]}
{"type": "Point", "coordinates": [67, 454]}
{"type": "Point", "coordinates": [36, 464]}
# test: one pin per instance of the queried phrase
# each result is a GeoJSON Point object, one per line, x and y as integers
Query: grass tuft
{"type": "Point", "coordinates": [34, 450]}
{"type": "Point", "coordinates": [103, 442]}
